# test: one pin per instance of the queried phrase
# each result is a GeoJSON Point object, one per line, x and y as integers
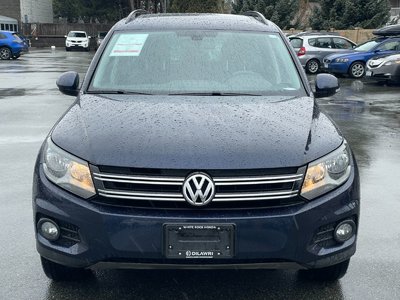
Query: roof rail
{"type": "Point", "coordinates": [257, 15]}
{"type": "Point", "coordinates": [135, 14]}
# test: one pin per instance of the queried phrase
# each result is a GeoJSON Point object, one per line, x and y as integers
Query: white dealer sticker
{"type": "Point", "coordinates": [129, 45]}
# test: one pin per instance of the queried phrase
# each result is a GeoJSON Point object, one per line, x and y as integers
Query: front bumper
{"type": "Point", "coordinates": [336, 68]}
{"type": "Point", "coordinates": [77, 45]}
{"type": "Point", "coordinates": [115, 237]}
{"type": "Point", "coordinates": [384, 73]}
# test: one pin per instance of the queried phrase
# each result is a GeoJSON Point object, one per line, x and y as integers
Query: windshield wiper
{"type": "Point", "coordinates": [119, 92]}
{"type": "Point", "coordinates": [213, 94]}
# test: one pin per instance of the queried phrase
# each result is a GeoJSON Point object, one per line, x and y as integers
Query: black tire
{"type": "Point", "coordinates": [5, 53]}
{"type": "Point", "coordinates": [331, 273]}
{"type": "Point", "coordinates": [59, 272]}
{"type": "Point", "coordinates": [357, 70]}
{"type": "Point", "coordinates": [16, 57]}
{"type": "Point", "coordinates": [67, 49]}
{"type": "Point", "coordinates": [87, 49]}
{"type": "Point", "coordinates": [313, 66]}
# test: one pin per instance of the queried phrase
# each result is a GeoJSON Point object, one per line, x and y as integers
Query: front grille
{"type": "Point", "coordinates": [163, 188]}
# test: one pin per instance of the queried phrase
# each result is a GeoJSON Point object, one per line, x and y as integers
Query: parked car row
{"type": "Point", "coordinates": [376, 59]}
{"type": "Point", "coordinates": [12, 45]}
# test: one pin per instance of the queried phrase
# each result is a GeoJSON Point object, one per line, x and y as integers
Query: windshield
{"type": "Point", "coordinates": [77, 34]}
{"type": "Point", "coordinates": [367, 46]}
{"type": "Point", "coordinates": [194, 62]}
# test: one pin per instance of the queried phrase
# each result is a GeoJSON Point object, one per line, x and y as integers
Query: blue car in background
{"type": "Point", "coordinates": [354, 62]}
{"type": "Point", "coordinates": [11, 45]}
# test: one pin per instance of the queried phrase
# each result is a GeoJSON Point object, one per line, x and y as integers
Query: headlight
{"type": "Point", "coordinates": [327, 173]}
{"type": "Point", "coordinates": [342, 60]}
{"type": "Point", "coordinates": [67, 171]}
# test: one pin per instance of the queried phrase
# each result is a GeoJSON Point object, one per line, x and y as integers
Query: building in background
{"type": "Point", "coordinates": [28, 11]}
{"type": "Point", "coordinates": [395, 10]}
{"type": "Point", "coordinates": [7, 23]}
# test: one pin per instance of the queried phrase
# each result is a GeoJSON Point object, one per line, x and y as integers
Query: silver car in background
{"type": "Point", "coordinates": [313, 47]}
{"type": "Point", "coordinates": [384, 69]}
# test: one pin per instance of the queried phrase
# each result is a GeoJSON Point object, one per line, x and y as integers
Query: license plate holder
{"type": "Point", "coordinates": [199, 241]}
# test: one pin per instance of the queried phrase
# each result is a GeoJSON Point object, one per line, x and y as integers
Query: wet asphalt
{"type": "Point", "coordinates": [368, 115]}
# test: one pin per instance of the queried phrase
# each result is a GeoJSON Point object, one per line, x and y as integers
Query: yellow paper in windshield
{"type": "Point", "coordinates": [129, 45]}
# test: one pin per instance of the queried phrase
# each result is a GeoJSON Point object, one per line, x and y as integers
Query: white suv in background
{"type": "Point", "coordinates": [77, 39]}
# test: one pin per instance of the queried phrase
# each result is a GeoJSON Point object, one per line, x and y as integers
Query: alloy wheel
{"type": "Point", "coordinates": [5, 53]}
{"type": "Point", "coordinates": [357, 70]}
{"type": "Point", "coordinates": [312, 66]}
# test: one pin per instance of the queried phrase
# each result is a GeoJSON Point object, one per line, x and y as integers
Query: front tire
{"type": "Point", "coordinates": [67, 49]}
{"type": "Point", "coordinates": [357, 70]}
{"type": "Point", "coordinates": [59, 272]}
{"type": "Point", "coordinates": [312, 66]}
{"type": "Point", "coordinates": [5, 53]}
{"type": "Point", "coordinates": [331, 273]}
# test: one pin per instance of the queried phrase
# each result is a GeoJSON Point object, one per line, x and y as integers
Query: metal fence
{"type": "Point", "coordinates": [46, 35]}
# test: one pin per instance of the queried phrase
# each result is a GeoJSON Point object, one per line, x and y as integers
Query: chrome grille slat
{"type": "Point", "coordinates": [149, 194]}
{"type": "Point", "coordinates": [259, 178]}
{"type": "Point", "coordinates": [267, 194]}
{"type": "Point", "coordinates": [178, 197]}
{"type": "Point", "coordinates": [110, 195]}
{"type": "Point", "coordinates": [256, 182]}
{"type": "Point", "coordinates": [138, 181]}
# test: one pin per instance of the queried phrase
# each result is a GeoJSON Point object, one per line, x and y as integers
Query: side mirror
{"type": "Point", "coordinates": [326, 85]}
{"type": "Point", "coordinates": [68, 83]}
{"type": "Point", "coordinates": [65, 36]}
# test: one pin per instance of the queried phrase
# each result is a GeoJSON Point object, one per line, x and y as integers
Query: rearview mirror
{"type": "Point", "coordinates": [326, 85]}
{"type": "Point", "coordinates": [68, 83]}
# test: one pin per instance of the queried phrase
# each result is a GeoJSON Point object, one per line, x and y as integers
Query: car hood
{"type": "Point", "coordinates": [350, 55]}
{"type": "Point", "coordinates": [196, 132]}
{"type": "Point", "coordinates": [386, 57]}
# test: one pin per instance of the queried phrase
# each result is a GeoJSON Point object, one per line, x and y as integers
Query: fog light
{"type": "Point", "coordinates": [48, 229]}
{"type": "Point", "coordinates": [344, 231]}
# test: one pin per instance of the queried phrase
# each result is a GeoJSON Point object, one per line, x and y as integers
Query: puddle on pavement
{"type": "Point", "coordinates": [12, 92]}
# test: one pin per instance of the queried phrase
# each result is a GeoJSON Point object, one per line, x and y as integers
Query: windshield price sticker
{"type": "Point", "coordinates": [129, 45]}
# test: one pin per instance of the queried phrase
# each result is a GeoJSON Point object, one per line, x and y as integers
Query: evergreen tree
{"type": "Point", "coordinates": [281, 12]}
{"type": "Point", "coordinates": [198, 6]}
{"type": "Point", "coordinates": [343, 14]}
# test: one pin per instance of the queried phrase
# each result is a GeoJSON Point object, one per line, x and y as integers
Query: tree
{"type": "Point", "coordinates": [197, 6]}
{"type": "Point", "coordinates": [101, 10]}
{"type": "Point", "coordinates": [281, 12]}
{"type": "Point", "coordinates": [343, 14]}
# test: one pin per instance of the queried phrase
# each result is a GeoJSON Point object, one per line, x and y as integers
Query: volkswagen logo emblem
{"type": "Point", "coordinates": [198, 189]}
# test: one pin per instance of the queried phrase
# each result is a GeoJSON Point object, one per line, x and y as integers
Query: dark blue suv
{"type": "Point", "coordinates": [11, 45]}
{"type": "Point", "coordinates": [195, 142]}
